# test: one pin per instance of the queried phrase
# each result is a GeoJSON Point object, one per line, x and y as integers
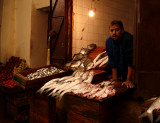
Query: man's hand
{"type": "Point", "coordinates": [128, 83]}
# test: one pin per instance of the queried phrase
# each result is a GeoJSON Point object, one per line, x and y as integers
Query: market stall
{"type": "Point", "coordinates": [82, 90]}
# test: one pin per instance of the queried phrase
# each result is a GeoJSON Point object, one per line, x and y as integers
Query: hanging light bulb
{"type": "Point", "coordinates": [92, 9]}
{"type": "Point", "coordinates": [91, 13]}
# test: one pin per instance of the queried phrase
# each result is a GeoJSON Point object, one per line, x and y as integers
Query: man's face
{"type": "Point", "coordinates": [115, 31]}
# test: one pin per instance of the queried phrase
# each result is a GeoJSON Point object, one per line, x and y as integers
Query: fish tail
{"type": "Point", "coordinates": [150, 116]}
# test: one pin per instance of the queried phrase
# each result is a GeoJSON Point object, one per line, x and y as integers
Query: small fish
{"type": "Point", "coordinates": [154, 105]}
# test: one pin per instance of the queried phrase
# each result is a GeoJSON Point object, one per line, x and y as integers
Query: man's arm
{"type": "Point", "coordinates": [128, 82]}
{"type": "Point", "coordinates": [114, 74]}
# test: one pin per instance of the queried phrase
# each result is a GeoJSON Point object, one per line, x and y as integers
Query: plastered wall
{"type": "Point", "coordinates": [23, 32]}
{"type": "Point", "coordinates": [96, 29]}
{"type": "Point", "coordinates": [15, 32]}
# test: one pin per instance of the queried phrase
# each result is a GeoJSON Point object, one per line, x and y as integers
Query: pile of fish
{"type": "Point", "coordinates": [78, 83]}
{"type": "Point", "coordinates": [43, 72]}
{"type": "Point", "coordinates": [81, 60]}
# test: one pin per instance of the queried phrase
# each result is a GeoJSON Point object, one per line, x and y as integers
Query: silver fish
{"type": "Point", "coordinates": [149, 112]}
{"type": "Point", "coordinates": [76, 64]}
{"type": "Point", "coordinates": [77, 57]}
{"type": "Point", "coordinates": [84, 51]}
{"type": "Point", "coordinates": [91, 46]}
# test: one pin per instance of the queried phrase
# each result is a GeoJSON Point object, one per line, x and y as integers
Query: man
{"type": "Point", "coordinates": [119, 47]}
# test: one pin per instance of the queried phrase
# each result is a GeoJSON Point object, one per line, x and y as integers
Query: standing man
{"type": "Point", "coordinates": [119, 47]}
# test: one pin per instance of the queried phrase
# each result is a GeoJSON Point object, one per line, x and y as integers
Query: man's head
{"type": "Point", "coordinates": [116, 29]}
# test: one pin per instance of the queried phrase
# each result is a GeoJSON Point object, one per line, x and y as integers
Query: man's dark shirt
{"type": "Point", "coordinates": [120, 53]}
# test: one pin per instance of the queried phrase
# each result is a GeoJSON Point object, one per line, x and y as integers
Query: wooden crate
{"type": "Point", "coordinates": [82, 110]}
{"type": "Point", "coordinates": [42, 109]}
{"type": "Point", "coordinates": [21, 79]}
{"type": "Point", "coordinates": [78, 118]}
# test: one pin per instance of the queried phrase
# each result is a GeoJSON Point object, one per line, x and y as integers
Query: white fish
{"type": "Point", "coordinates": [104, 95]}
{"type": "Point", "coordinates": [90, 77]}
{"type": "Point", "coordinates": [154, 105]}
{"type": "Point", "coordinates": [85, 75]}
{"type": "Point", "coordinates": [72, 79]}
{"type": "Point", "coordinates": [100, 61]}
{"type": "Point", "coordinates": [54, 85]}
{"type": "Point", "coordinates": [46, 85]}
{"type": "Point", "coordinates": [59, 87]}
{"type": "Point", "coordinates": [68, 89]}
{"type": "Point", "coordinates": [65, 78]}
{"type": "Point", "coordinates": [97, 94]}
{"type": "Point", "coordinates": [78, 88]}
{"type": "Point", "coordinates": [104, 62]}
{"type": "Point", "coordinates": [97, 57]}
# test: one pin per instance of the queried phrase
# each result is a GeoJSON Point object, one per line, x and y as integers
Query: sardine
{"type": "Point", "coordinates": [154, 105]}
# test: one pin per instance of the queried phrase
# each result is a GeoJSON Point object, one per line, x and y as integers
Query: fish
{"type": "Point", "coordinates": [69, 87]}
{"type": "Point", "coordinates": [77, 57]}
{"type": "Point", "coordinates": [85, 75]}
{"type": "Point", "coordinates": [149, 112]}
{"type": "Point", "coordinates": [76, 64]}
{"type": "Point", "coordinates": [89, 66]}
{"type": "Point", "coordinates": [104, 62]}
{"type": "Point", "coordinates": [84, 51]}
{"type": "Point", "coordinates": [100, 61]}
{"type": "Point", "coordinates": [59, 87]}
{"type": "Point", "coordinates": [65, 78]}
{"type": "Point", "coordinates": [46, 85]}
{"type": "Point", "coordinates": [98, 56]}
{"type": "Point", "coordinates": [68, 64]}
{"type": "Point", "coordinates": [90, 77]}
{"type": "Point", "coordinates": [91, 46]}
